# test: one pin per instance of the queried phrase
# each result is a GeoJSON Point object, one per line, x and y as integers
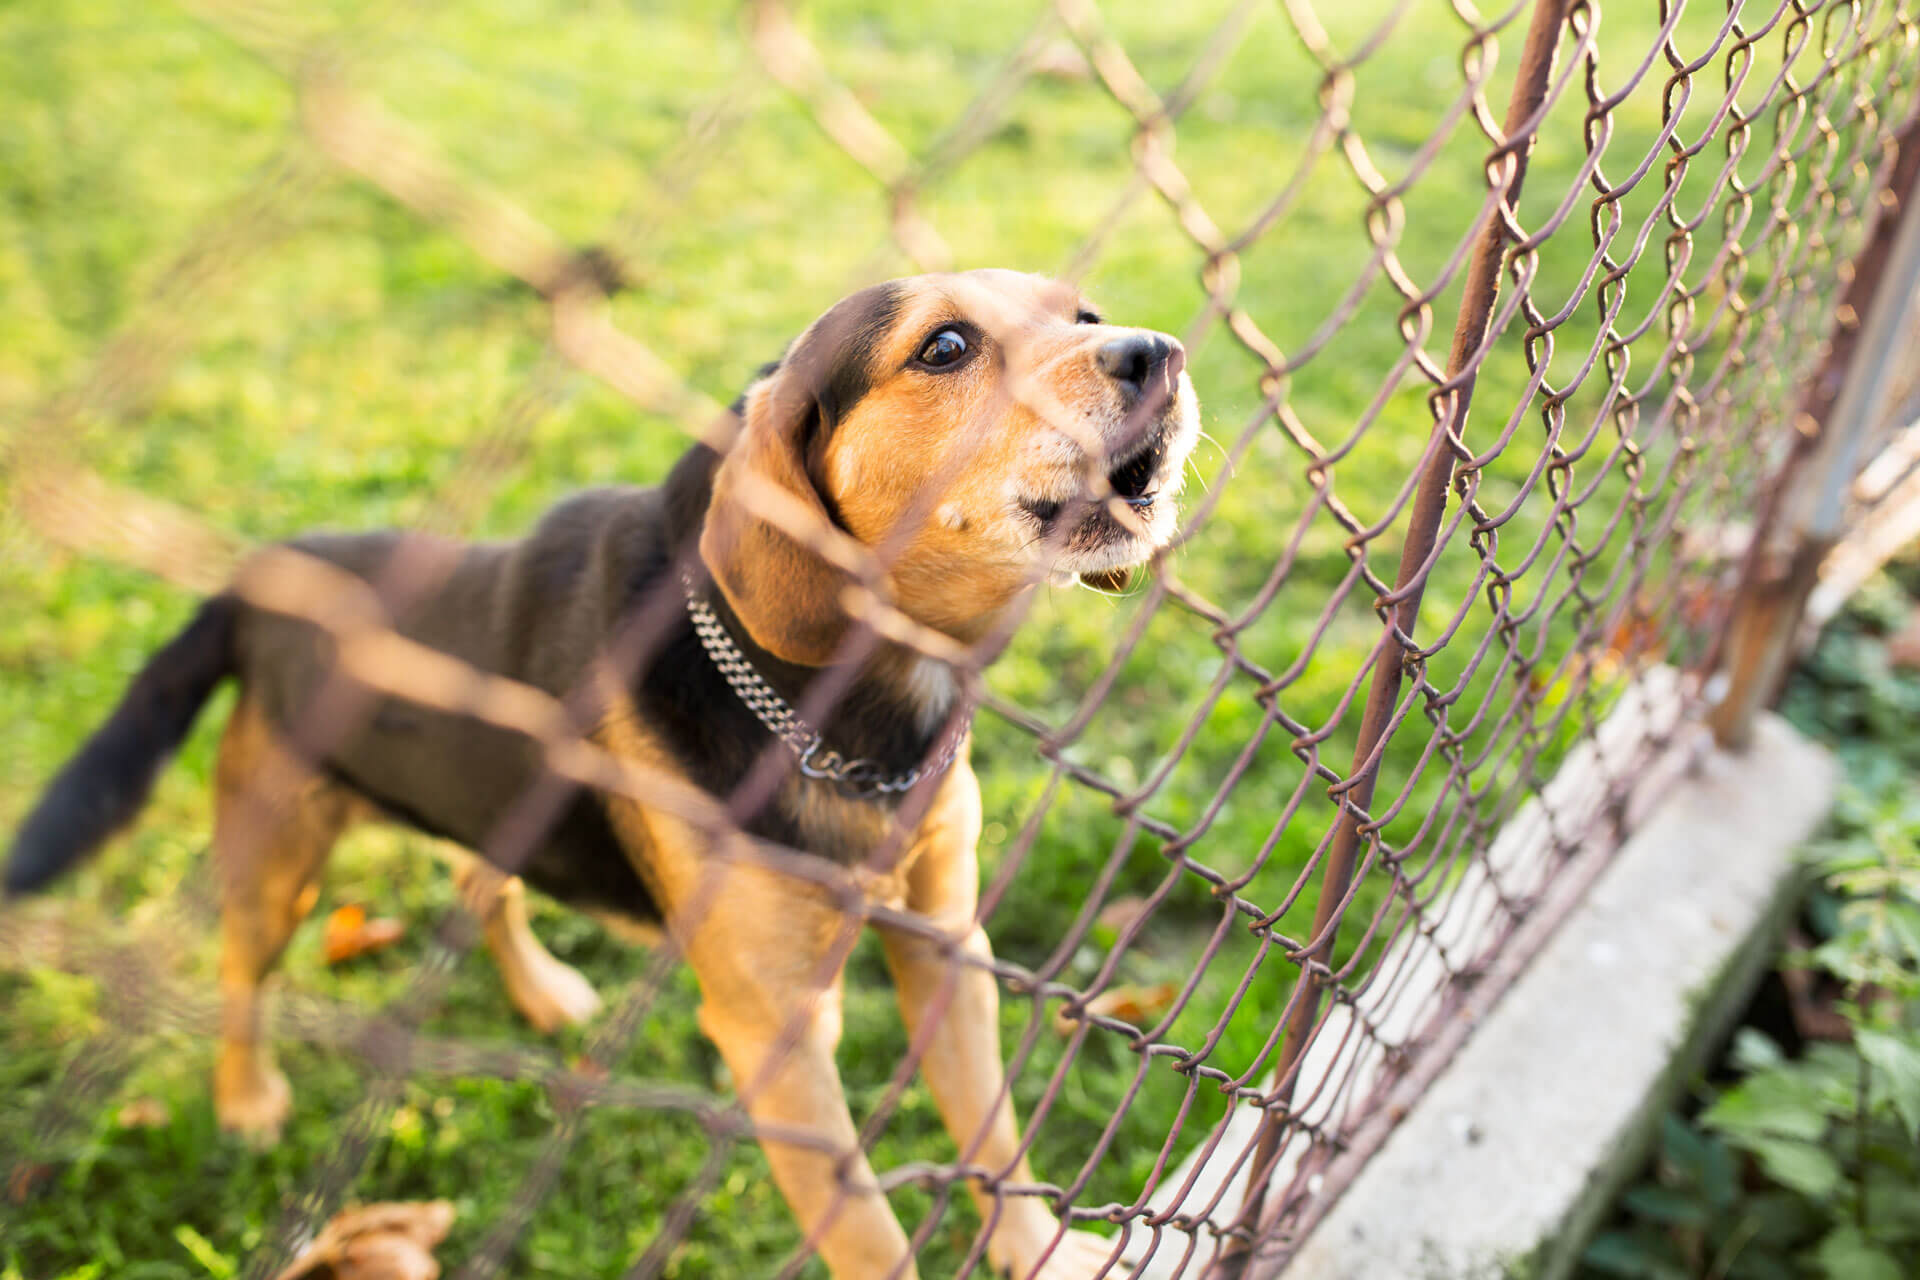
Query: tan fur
{"type": "Point", "coordinates": [275, 822]}
{"type": "Point", "coordinates": [548, 993]}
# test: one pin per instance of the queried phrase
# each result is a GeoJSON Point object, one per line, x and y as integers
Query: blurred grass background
{"type": "Point", "coordinates": [338, 376]}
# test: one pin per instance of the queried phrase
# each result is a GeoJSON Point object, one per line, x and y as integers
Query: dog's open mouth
{"type": "Point", "coordinates": [1135, 479]}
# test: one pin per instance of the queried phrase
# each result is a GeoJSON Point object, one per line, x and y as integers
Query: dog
{"type": "Point", "coordinates": [977, 433]}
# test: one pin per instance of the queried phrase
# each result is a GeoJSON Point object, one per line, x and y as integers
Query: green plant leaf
{"type": "Point", "coordinates": [1800, 1166]}
{"type": "Point", "coordinates": [1903, 922]}
{"type": "Point", "coordinates": [1719, 1175]}
{"type": "Point", "coordinates": [1701, 1159]}
{"type": "Point", "coordinates": [1823, 911]}
{"type": "Point", "coordinates": [1781, 1220]}
{"type": "Point", "coordinates": [1776, 1104]}
{"type": "Point", "coordinates": [1754, 1051]}
{"type": "Point", "coordinates": [1893, 1205]}
{"type": "Point", "coordinates": [1667, 1205]}
{"type": "Point", "coordinates": [1897, 1057]}
{"type": "Point", "coordinates": [1848, 956]}
{"type": "Point", "coordinates": [1633, 1254]}
{"type": "Point", "coordinates": [217, 1264]}
{"type": "Point", "coordinates": [1752, 1265]}
{"type": "Point", "coordinates": [1848, 1255]}
{"type": "Point", "coordinates": [1833, 1070]}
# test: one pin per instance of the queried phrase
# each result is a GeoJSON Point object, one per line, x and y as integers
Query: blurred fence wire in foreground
{"type": "Point", "coordinates": [1632, 349]}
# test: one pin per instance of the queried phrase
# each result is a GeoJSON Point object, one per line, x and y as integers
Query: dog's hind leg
{"type": "Point", "coordinates": [275, 821]}
{"type": "Point", "coordinates": [548, 992]}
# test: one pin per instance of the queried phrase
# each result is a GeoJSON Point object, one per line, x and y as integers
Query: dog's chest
{"type": "Point", "coordinates": [826, 822]}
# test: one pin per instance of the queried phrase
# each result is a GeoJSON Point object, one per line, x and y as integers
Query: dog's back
{"type": "Point", "coordinates": [536, 611]}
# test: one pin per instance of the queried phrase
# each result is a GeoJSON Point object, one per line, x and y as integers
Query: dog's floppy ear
{"type": "Point", "coordinates": [786, 594]}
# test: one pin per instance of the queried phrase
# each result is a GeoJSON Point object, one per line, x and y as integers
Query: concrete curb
{"type": "Point", "coordinates": [1510, 1159]}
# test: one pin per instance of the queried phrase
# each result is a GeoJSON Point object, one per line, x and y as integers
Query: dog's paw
{"type": "Point", "coordinates": [1080, 1255]}
{"type": "Point", "coordinates": [251, 1100]}
{"type": "Point", "coordinates": [552, 994]}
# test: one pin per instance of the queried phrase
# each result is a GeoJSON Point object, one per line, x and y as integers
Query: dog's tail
{"type": "Point", "coordinates": [103, 786]}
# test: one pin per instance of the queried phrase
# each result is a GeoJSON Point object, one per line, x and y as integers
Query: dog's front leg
{"type": "Point", "coordinates": [767, 951]}
{"type": "Point", "coordinates": [791, 1087]}
{"type": "Point", "coordinates": [963, 1071]}
{"type": "Point", "coordinates": [951, 982]}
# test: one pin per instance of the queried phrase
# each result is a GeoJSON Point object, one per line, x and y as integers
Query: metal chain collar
{"type": "Point", "coordinates": [817, 760]}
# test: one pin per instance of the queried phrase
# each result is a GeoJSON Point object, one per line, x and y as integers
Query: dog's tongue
{"type": "Point", "coordinates": [1108, 579]}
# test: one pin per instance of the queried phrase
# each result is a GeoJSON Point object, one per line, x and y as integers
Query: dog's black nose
{"type": "Point", "coordinates": [1139, 358]}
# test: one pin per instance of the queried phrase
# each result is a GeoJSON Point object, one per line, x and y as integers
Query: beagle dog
{"type": "Point", "coordinates": [976, 433]}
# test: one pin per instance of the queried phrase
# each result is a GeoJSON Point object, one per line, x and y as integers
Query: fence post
{"type": "Point", "coordinates": [1840, 405]}
{"type": "Point", "coordinates": [1451, 403]}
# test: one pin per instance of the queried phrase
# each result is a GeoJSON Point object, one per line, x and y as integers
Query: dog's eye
{"type": "Point", "coordinates": [943, 349]}
{"type": "Point", "coordinates": [1087, 315]}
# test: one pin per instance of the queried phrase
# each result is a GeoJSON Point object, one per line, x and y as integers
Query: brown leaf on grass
{"type": "Point", "coordinates": [350, 933]}
{"type": "Point", "coordinates": [143, 1113]}
{"type": "Point", "coordinates": [391, 1241]}
{"type": "Point", "coordinates": [1903, 647]}
{"type": "Point", "coordinates": [1813, 997]}
{"type": "Point", "coordinates": [1130, 1003]}
{"type": "Point", "coordinates": [27, 1179]}
{"type": "Point", "coordinates": [1637, 635]}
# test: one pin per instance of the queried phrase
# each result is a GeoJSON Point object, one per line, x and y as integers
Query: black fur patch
{"type": "Point", "coordinates": [102, 788]}
{"type": "Point", "coordinates": [835, 357]}
{"type": "Point", "coordinates": [842, 370]}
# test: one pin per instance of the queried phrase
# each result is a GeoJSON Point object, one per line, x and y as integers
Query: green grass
{"type": "Point", "coordinates": [337, 374]}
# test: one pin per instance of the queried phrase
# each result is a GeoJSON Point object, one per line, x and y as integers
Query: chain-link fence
{"type": "Point", "coordinates": [1504, 326]}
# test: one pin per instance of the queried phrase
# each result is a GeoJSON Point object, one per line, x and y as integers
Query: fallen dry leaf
{"type": "Point", "coordinates": [27, 1179]}
{"type": "Point", "coordinates": [1127, 1002]}
{"type": "Point", "coordinates": [391, 1241]}
{"type": "Point", "coordinates": [1812, 997]}
{"type": "Point", "coordinates": [143, 1113]}
{"type": "Point", "coordinates": [350, 933]}
{"type": "Point", "coordinates": [1903, 647]}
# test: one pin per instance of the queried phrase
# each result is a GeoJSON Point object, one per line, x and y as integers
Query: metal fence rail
{"type": "Point", "coordinates": [1653, 301]}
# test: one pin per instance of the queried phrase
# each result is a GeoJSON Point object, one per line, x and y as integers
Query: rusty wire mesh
{"type": "Point", "coordinates": [1578, 387]}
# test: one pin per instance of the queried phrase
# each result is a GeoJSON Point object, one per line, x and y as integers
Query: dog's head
{"type": "Point", "coordinates": [975, 431]}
